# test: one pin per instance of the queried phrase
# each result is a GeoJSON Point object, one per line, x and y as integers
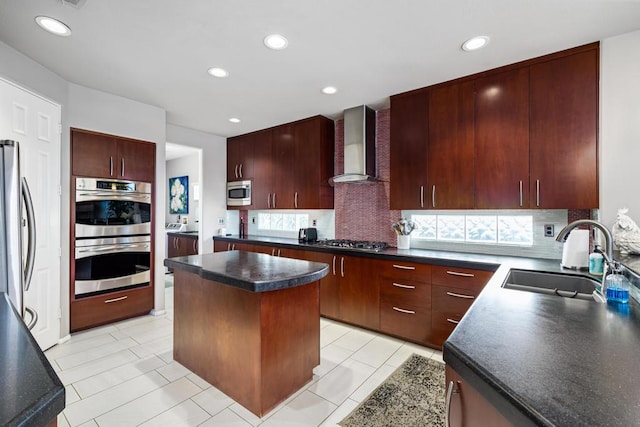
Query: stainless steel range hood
{"type": "Point", "coordinates": [359, 146]}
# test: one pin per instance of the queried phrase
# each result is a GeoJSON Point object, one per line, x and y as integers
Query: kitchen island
{"type": "Point", "coordinates": [248, 323]}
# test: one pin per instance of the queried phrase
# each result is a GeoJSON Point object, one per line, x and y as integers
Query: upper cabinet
{"type": "Point", "coordinates": [521, 136]}
{"type": "Point", "coordinates": [106, 156]}
{"type": "Point", "coordinates": [502, 140]}
{"type": "Point", "coordinates": [239, 159]}
{"type": "Point", "coordinates": [564, 119]}
{"type": "Point", "coordinates": [409, 143]}
{"type": "Point", "coordinates": [450, 164]}
{"type": "Point", "coordinates": [290, 164]}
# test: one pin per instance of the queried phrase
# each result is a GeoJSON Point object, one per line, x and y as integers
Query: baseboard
{"type": "Point", "coordinates": [64, 339]}
{"type": "Point", "coordinates": [155, 312]}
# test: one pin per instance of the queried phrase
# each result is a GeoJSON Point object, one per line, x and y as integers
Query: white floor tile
{"type": "Point", "coordinates": [213, 400]}
{"type": "Point", "coordinates": [339, 414]}
{"type": "Point", "coordinates": [118, 375]}
{"type": "Point", "coordinates": [377, 351]}
{"type": "Point", "coordinates": [90, 423]}
{"type": "Point", "coordinates": [150, 405]}
{"type": "Point", "coordinates": [173, 371]}
{"type": "Point", "coordinates": [244, 413]}
{"type": "Point", "coordinates": [367, 387]}
{"type": "Point", "coordinates": [305, 409]}
{"type": "Point", "coordinates": [158, 346]}
{"type": "Point", "coordinates": [406, 350]}
{"type": "Point", "coordinates": [100, 403]}
{"type": "Point", "coordinates": [198, 381]}
{"type": "Point", "coordinates": [437, 356]}
{"type": "Point", "coordinates": [70, 395]}
{"type": "Point", "coordinates": [96, 366]}
{"type": "Point", "coordinates": [185, 414]}
{"type": "Point", "coordinates": [62, 421]}
{"type": "Point", "coordinates": [355, 339]}
{"type": "Point", "coordinates": [331, 333]}
{"type": "Point", "coordinates": [74, 346]}
{"type": "Point", "coordinates": [338, 384]}
{"type": "Point", "coordinates": [330, 357]}
{"type": "Point", "coordinates": [91, 333]}
{"type": "Point", "coordinates": [226, 418]}
{"type": "Point", "coordinates": [97, 352]}
{"type": "Point", "coordinates": [167, 356]}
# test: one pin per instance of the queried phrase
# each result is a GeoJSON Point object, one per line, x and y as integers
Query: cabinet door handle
{"type": "Point", "coordinates": [422, 196]}
{"type": "Point", "coordinates": [274, 200]}
{"type": "Point", "coordinates": [228, 246]}
{"type": "Point", "coordinates": [453, 294]}
{"type": "Point", "coordinates": [195, 244]}
{"type": "Point", "coordinates": [401, 310]}
{"type": "Point", "coordinates": [520, 193]}
{"type": "Point", "coordinates": [122, 167]}
{"type": "Point", "coordinates": [240, 171]}
{"type": "Point", "coordinates": [278, 252]}
{"type": "Point", "coordinates": [399, 285]}
{"type": "Point", "coordinates": [295, 200]}
{"type": "Point", "coordinates": [269, 201]}
{"type": "Point", "coordinates": [110, 165]}
{"type": "Point", "coordinates": [537, 192]}
{"type": "Point", "coordinates": [342, 266]}
{"type": "Point", "coordinates": [451, 389]}
{"type": "Point", "coordinates": [334, 265]}
{"type": "Point", "coordinates": [456, 273]}
{"type": "Point", "coordinates": [404, 267]}
{"type": "Point", "coordinates": [177, 243]}
{"type": "Point", "coordinates": [273, 251]}
{"type": "Point", "coordinates": [455, 322]}
{"type": "Point", "coordinates": [108, 301]}
{"type": "Point", "coordinates": [235, 172]}
{"type": "Point", "coordinates": [433, 196]}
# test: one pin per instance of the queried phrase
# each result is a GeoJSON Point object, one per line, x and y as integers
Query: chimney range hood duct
{"type": "Point", "coordinates": [359, 146]}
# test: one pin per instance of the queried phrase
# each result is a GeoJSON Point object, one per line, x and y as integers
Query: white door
{"type": "Point", "coordinates": [35, 123]}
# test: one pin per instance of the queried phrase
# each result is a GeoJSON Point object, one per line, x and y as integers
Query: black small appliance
{"type": "Point", "coordinates": [307, 235]}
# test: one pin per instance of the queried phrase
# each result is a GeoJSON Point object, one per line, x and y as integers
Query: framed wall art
{"type": "Point", "coordinates": [179, 195]}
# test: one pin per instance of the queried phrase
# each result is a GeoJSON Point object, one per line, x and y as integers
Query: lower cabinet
{"type": "Point", "coordinates": [329, 290]}
{"type": "Point", "coordinates": [358, 291]}
{"type": "Point", "coordinates": [180, 245]}
{"type": "Point", "coordinates": [466, 407]}
{"type": "Point", "coordinates": [102, 309]}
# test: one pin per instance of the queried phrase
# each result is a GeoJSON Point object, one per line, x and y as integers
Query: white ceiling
{"type": "Point", "coordinates": [157, 51]}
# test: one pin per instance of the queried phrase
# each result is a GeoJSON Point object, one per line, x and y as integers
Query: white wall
{"type": "Point", "coordinates": [619, 126]}
{"type": "Point", "coordinates": [213, 173]}
{"type": "Point", "coordinates": [185, 166]}
{"type": "Point", "coordinates": [102, 112]}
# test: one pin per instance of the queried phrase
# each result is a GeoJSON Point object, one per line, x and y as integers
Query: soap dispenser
{"type": "Point", "coordinates": [617, 286]}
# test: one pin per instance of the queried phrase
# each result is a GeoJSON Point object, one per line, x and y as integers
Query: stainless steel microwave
{"type": "Point", "coordinates": [239, 193]}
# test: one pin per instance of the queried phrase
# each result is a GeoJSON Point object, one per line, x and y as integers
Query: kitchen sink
{"type": "Point", "coordinates": [563, 285]}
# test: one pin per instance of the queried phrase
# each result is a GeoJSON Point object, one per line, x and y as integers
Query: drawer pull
{"type": "Point", "coordinates": [115, 299]}
{"type": "Point", "coordinates": [455, 322]}
{"type": "Point", "coordinates": [399, 285]}
{"type": "Point", "coordinates": [453, 294]}
{"type": "Point", "coordinates": [403, 267]}
{"type": "Point", "coordinates": [455, 273]}
{"type": "Point", "coordinates": [405, 311]}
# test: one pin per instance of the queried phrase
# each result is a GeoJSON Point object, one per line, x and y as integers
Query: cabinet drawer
{"type": "Point", "coordinates": [407, 321]}
{"type": "Point", "coordinates": [405, 292]}
{"type": "Point", "coordinates": [460, 277]}
{"type": "Point", "coordinates": [452, 300]}
{"type": "Point", "coordinates": [101, 309]}
{"type": "Point", "coordinates": [401, 270]}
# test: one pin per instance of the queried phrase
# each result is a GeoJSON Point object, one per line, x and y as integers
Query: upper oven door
{"type": "Point", "coordinates": [105, 212]}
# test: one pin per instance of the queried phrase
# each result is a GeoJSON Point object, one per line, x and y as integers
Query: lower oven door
{"type": "Point", "coordinates": [108, 264]}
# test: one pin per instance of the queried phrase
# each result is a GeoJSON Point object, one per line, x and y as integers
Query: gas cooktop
{"type": "Point", "coordinates": [353, 244]}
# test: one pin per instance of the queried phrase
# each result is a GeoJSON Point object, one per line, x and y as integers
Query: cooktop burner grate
{"type": "Point", "coordinates": [353, 244]}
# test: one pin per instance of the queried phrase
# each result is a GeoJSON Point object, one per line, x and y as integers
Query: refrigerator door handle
{"type": "Point", "coordinates": [34, 317]}
{"type": "Point", "coordinates": [31, 228]}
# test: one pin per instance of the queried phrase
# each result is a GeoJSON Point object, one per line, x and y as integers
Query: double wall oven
{"type": "Point", "coordinates": [112, 235]}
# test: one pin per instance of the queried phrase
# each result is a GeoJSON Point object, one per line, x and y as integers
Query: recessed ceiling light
{"type": "Point", "coordinates": [329, 90]}
{"type": "Point", "coordinates": [475, 43]}
{"type": "Point", "coordinates": [275, 42]}
{"type": "Point", "coordinates": [234, 120]}
{"type": "Point", "coordinates": [218, 72]}
{"type": "Point", "coordinates": [53, 26]}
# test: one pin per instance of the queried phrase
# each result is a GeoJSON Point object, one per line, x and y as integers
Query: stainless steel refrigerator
{"type": "Point", "coordinates": [15, 199]}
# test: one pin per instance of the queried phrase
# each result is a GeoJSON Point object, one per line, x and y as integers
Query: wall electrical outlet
{"type": "Point", "coordinates": [253, 220]}
{"type": "Point", "coordinates": [314, 222]}
{"type": "Point", "coordinates": [220, 221]}
{"type": "Point", "coordinates": [549, 230]}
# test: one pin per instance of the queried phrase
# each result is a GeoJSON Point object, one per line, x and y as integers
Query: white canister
{"type": "Point", "coordinates": [222, 231]}
{"type": "Point", "coordinates": [404, 241]}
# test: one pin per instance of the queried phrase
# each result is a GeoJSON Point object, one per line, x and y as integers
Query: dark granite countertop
{"type": "Point", "coordinates": [187, 234]}
{"type": "Point", "coordinates": [250, 271]}
{"type": "Point", "coordinates": [31, 392]}
{"type": "Point", "coordinates": [539, 359]}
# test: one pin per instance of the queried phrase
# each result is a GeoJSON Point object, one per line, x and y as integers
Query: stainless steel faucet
{"type": "Point", "coordinates": [608, 237]}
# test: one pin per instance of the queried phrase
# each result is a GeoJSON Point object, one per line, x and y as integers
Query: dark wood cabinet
{"type": "Point", "coordinates": [240, 157]}
{"type": "Point", "coordinates": [290, 165]}
{"type": "Point", "coordinates": [358, 291]}
{"type": "Point", "coordinates": [409, 147]}
{"type": "Point", "coordinates": [106, 156]}
{"type": "Point", "coordinates": [564, 128]}
{"type": "Point", "coordinates": [502, 140]}
{"type": "Point", "coordinates": [329, 286]}
{"type": "Point", "coordinates": [450, 163]}
{"type": "Point", "coordinates": [405, 300]}
{"type": "Point", "coordinates": [181, 245]}
{"type": "Point", "coordinates": [467, 407]}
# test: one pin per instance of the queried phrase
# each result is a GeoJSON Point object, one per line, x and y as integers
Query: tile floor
{"type": "Point", "coordinates": [124, 375]}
